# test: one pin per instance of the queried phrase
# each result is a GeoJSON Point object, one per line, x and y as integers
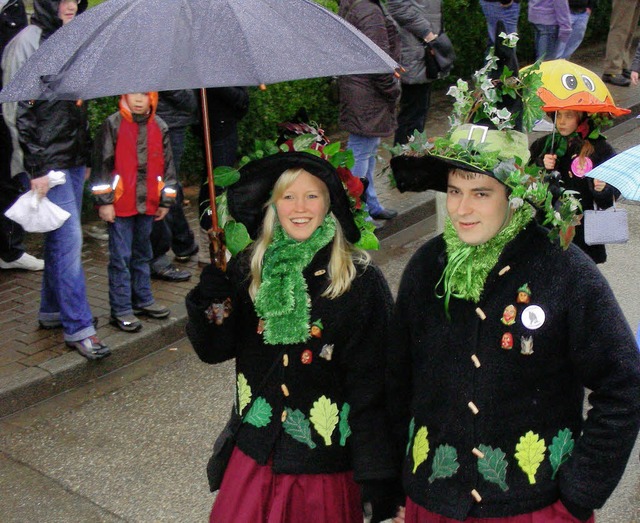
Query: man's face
{"type": "Point", "coordinates": [138, 102]}
{"type": "Point", "coordinates": [477, 205]}
{"type": "Point", "coordinates": [67, 10]}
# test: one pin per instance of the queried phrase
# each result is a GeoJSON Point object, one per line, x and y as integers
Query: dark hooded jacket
{"type": "Point", "coordinates": [52, 135]}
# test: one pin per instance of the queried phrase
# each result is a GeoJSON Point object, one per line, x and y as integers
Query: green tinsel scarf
{"type": "Point", "coordinates": [282, 300]}
{"type": "Point", "coordinates": [469, 265]}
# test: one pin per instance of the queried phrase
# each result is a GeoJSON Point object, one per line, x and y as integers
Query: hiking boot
{"type": "Point", "coordinates": [126, 323]}
{"type": "Point", "coordinates": [26, 262]}
{"type": "Point", "coordinates": [91, 348]}
{"type": "Point", "coordinates": [186, 256]}
{"type": "Point", "coordinates": [616, 79]}
{"type": "Point", "coordinates": [171, 273]}
{"type": "Point", "coordinates": [155, 310]}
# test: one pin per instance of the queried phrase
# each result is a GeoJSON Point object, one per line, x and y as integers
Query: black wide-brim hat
{"type": "Point", "coordinates": [247, 197]}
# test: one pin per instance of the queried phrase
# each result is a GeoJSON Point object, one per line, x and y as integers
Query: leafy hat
{"type": "Point", "coordinates": [483, 139]}
{"type": "Point", "coordinates": [241, 208]}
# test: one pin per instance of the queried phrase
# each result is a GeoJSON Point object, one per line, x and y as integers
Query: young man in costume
{"type": "Point", "coordinates": [488, 411]}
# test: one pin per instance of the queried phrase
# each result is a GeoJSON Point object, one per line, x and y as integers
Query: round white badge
{"type": "Point", "coordinates": [533, 317]}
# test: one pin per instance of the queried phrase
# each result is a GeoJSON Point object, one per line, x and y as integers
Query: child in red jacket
{"type": "Point", "coordinates": [133, 182]}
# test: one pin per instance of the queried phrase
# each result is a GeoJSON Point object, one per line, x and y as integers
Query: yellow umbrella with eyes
{"type": "Point", "coordinates": [569, 86]}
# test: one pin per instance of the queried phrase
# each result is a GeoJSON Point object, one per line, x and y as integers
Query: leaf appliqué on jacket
{"type": "Point", "coordinates": [412, 428]}
{"type": "Point", "coordinates": [493, 466]}
{"type": "Point", "coordinates": [244, 392]}
{"type": "Point", "coordinates": [560, 449]}
{"type": "Point", "coordinates": [298, 427]}
{"type": "Point", "coordinates": [445, 463]}
{"type": "Point", "coordinates": [530, 453]}
{"type": "Point", "coordinates": [324, 416]}
{"type": "Point", "coordinates": [259, 414]}
{"type": "Point", "coordinates": [420, 448]}
{"type": "Point", "coordinates": [345, 429]}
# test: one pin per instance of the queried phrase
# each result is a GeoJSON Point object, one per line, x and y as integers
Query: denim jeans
{"type": "Point", "coordinates": [64, 295]}
{"type": "Point", "coordinates": [129, 257]}
{"type": "Point", "coordinates": [546, 41]}
{"type": "Point", "coordinates": [494, 12]}
{"type": "Point", "coordinates": [414, 106]}
{"type": "Point", "coordinates": [364, 152]}
{"type": "Point", "coordinates": [579, 23]}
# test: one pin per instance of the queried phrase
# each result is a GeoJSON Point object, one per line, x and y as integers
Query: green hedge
{"type": "Point", "coordinates": [464, 23]}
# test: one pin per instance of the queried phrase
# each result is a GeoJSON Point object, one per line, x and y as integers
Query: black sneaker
{"type": "Point", "coordinates": [384, 214]}
{"type": "Point", "coordinates": [171, 273]}
{"type": "Point", "coordinates": [155, 310]}
{"type": "Point", "coordinates": [616, 79]}
{"type": "Point", "coordinates": [186, 256]}
{"type": "Point", "coordinates": [127, 323]}
{"type": "Point", "coordinates": [91, 348]}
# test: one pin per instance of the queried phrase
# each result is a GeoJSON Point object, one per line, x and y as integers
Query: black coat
{"type": "Point", "coordinates": [355, 326]}
{"type": "Point", "coordinates": [437, 367]}
{"type": "Point", "coordinates": [13, 18]}
{"type": "Point", "coordinates": [584, 186]}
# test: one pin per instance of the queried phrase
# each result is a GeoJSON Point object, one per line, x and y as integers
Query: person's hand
{"type": "Point", "coordinates": [40, 186]}
{"type": "Point", "coordinates": [161, 213]}
{"type": "Point", "coordinates": [599, 185]}
{"type": "Point", "coordinates": [107, 213]}
{"type": "Point", "coordinates": [87, 173]}
{"type": "Point", "coordinates": [430, 37]}
{"type": "Point", "coordinates": [399, 516]}
{"type": "Point", "coordinates": [549, 161]}
{"type": "Point", "coordinates": [214, 284]}
{"type": "Point", "coordinates": [634, 77]}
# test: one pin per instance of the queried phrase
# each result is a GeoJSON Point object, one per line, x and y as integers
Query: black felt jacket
{"type": "Point", "coordinates": [441, 371]}
{"type": "Point", "coordinates": [309, 400]}
{"type": "Point", "coordinates": [584, 186]}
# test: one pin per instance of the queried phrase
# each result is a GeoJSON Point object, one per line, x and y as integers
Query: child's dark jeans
{"type": "Point", "coordinates": [129, 257]}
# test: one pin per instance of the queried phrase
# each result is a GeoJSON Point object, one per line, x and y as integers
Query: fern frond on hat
{"type": "Point", "coordinates": [485, 137]}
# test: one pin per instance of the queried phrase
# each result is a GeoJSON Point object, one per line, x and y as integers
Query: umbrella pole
{"type": "Point", "coordinates": [216, 237]}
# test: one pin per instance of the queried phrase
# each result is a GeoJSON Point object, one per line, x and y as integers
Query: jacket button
{"type": "Point", "coordinates": [476, 495]}
{"type": "Point", "coordinates": [473, 407]}
{"type": "Point", "coordinates": [285, 360]}
{"type": "Point", "coordinates": [283, 418]}
{"type": "Point", "coordinates": [285, 390]}
{"type": "Point", "coordinates": [477, 453]}
{"type": "Point", "coordinates": [475, 361]}
{"type": "Point", "coordinates": [481, 313]}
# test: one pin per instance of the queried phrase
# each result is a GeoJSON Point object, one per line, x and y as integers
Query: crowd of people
{"type": "Point", "coordinates": [343, 395]}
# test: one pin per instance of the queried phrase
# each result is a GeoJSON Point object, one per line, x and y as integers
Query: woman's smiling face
{"type": "Point", "coordinates": [302, 206]}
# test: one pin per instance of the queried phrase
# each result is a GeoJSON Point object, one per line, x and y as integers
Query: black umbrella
{"type": "Point", "coordinates": [124, 46]}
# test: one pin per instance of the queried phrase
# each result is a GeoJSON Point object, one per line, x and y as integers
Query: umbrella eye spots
{"type": "Point", "coordinates": [569, 81]}
{"type": "Point", "coordinates": [589, 83]}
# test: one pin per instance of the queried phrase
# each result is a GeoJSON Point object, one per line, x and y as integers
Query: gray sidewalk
{"type": "Point", "coordinates": [35, 364]}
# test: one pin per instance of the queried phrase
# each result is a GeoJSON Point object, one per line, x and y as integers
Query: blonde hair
{"type": "Point", "coordinates": [344, 256]}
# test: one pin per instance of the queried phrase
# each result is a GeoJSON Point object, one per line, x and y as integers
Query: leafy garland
{"type": "Point", "coordinates": [236, 235]}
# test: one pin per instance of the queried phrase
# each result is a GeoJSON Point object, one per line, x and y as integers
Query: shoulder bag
{"type": "Point", "coordinates": [438, 57]}
{"type": "Point", "coordinates": [226, 440]}
{"type": "Point", "coordinates": [603, 226]}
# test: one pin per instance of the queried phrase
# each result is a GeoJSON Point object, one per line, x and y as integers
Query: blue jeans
{"type": "Point", "coordinates": [364, 152]}
{"type": "Point", "coordinates": [579, 23]}
{"type": "Point", "coordinates": [494, 12]}
{"type": "Point", "coordinates": [64, 294]}
{"type": "Point", "coordinates": [129, 257]}
{"type": "Point", "coordinates": [546, 41]}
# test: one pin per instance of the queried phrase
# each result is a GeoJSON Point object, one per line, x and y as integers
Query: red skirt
{"type": "Point", "coordinates": [555, 513]}
{"type": "Point", "coordinates": [252, 493]}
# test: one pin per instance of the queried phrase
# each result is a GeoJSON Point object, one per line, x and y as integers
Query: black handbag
{"type": "Point", "coordinates": [439, 57]}
{"type": "Point", "coordinates": [226, 440]}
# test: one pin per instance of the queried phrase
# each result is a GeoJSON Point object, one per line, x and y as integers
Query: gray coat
{"type": "Point", "coordinates": [416, 19]}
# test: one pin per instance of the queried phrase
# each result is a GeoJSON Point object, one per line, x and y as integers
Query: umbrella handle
{"type": "Point", "coordinates": [217, 249]}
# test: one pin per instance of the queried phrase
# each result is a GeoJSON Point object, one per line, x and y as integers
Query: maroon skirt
{"type": "Point", "coordinates": [556, 513]}
{"type": "Point", "coordinates": [252, 493]}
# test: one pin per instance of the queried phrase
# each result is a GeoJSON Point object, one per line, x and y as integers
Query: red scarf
{"type": "Point", "coordinates": [126, 165]}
